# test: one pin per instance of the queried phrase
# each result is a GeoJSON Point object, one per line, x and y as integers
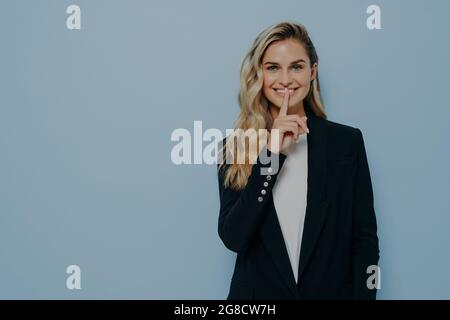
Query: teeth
{"type": "Point", "coordinates": [282, 90]}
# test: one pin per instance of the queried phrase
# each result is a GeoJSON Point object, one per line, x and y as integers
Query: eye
{"type": "Point", "coordinates": [271, 68]}
{"type": "Point", "coordinates": [297, 67]}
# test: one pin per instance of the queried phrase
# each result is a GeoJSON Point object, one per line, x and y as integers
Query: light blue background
{"type": "Point", "coordinates": [86, 118]}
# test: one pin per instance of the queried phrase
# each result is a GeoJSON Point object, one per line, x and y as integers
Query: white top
{"type": "Point", "coordinates": [289, 196]}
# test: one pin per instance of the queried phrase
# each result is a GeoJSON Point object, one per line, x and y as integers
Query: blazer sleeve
{"type": "Point", "coordinates": [241, 211]}
{"type": "Point", "coordinates": [365, 239]}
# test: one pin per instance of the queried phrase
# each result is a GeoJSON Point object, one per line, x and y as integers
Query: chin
{"type": "Point", "coordinates": [277, 102]}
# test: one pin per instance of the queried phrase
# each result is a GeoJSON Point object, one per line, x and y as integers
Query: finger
{"type": "Point", "coordinates": [301, 121]}
{"type": "Point", "coordinates": [285, 103]}
{"type": "Point", "coordinates": [290, 127]}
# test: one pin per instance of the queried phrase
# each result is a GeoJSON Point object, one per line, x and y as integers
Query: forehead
{"type": "Point", "coordinates": [285, 51]}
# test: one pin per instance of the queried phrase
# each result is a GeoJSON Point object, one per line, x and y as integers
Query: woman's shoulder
{"type": "Point", "coordinates": [338, 127]}
{"type": "Point", "coordinates": [343, 138]}
{"type": "Point", "coordinates": [342, 131]}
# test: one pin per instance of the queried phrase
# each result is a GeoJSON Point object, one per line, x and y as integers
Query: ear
{"type": "Point", "coordinates": [314, 71]}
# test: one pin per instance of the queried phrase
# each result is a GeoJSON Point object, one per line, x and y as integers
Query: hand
{"type": "Point", "coordinates": [290, 127]}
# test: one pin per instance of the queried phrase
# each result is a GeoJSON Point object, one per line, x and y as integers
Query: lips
{"type": "Point", "coordinates": [280, 91]}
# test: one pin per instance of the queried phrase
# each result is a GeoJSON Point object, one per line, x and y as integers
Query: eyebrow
{"type": "Point", "coordinates": [293, 62]}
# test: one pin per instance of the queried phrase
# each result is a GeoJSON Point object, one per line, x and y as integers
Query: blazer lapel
{"type": "Point", "coordinates": [317, 203]}
{"type": "Point", "coordinates": [316, 208]}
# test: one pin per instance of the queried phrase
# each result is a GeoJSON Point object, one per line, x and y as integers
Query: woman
{"type": "Point", "coordinates": [307, 230]}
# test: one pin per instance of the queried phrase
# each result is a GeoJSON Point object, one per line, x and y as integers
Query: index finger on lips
{"type": "Point", "coordinates": [285, 104]}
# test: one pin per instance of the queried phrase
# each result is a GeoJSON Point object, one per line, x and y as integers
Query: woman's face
{"type": "Point", "coordinates": [286, 65]}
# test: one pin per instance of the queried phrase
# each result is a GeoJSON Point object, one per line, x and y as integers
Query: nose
{"type": "Point", "coordinates": [285, 78]}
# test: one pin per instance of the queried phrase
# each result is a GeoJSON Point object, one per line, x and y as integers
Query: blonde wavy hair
{"type": "Point", "coordinates": [254, 106]}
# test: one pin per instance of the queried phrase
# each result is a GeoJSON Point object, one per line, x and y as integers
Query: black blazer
{"type": "Point", "coordinates": [340, 230]}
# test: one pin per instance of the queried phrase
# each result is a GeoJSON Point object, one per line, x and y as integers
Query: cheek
{"type": "Point", "coordinates": [267, 83]}
{"type": "Point", "coordinates": [302, 79]}
{"type": "Point", "coordinates": [267, 93]}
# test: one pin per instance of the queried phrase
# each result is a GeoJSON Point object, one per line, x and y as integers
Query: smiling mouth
{"type": "Point", "coordinates": [281, 91]}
